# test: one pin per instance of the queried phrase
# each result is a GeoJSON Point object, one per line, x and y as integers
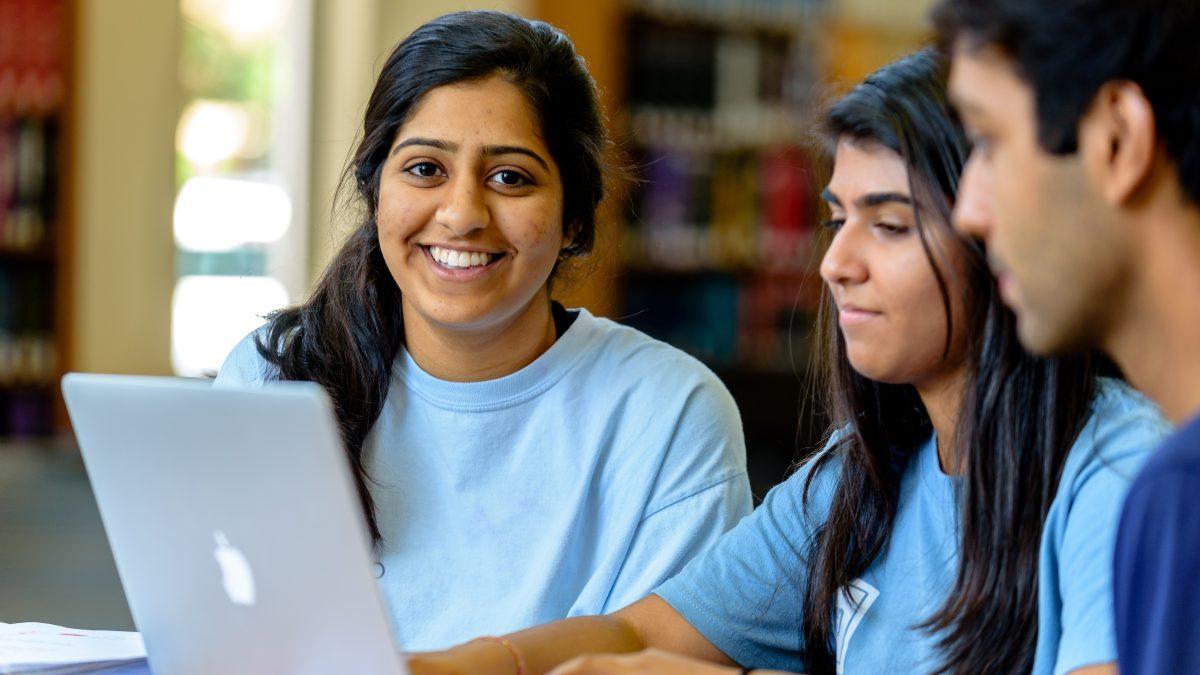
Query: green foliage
{"type": "Point", "coordinates": [212, 66]}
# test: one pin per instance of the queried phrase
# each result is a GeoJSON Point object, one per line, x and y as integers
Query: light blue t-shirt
{"type": "Point", "coordinates": [745, 594]}
{"type": "Point", "coordinates": [571, 487]}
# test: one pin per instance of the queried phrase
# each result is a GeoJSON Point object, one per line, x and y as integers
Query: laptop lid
{"type": "Point", "coordinates": [235, 525]}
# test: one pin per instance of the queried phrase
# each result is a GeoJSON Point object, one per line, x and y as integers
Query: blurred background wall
{"type": "Point", "coordinates": [168, 170]}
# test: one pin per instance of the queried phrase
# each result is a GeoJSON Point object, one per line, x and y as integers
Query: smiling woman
{"type": "Point", "coordinates": [470, 225]}
{"type": "Point", "coordinates": [517, 461]}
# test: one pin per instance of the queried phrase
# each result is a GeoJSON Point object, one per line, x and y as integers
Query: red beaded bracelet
{"type": "Point", "coordinates": [518, 657]}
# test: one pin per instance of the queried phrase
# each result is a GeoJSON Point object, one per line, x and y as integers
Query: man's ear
{"type": "Point", "coordinates": [1117, 141]}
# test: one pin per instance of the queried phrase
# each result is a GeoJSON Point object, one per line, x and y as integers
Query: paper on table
{"type": "Point", "coordinates": [45, 648]}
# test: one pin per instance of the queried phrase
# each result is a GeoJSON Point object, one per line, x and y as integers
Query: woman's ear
{"type": "Point", "coordinates": [570, 231]}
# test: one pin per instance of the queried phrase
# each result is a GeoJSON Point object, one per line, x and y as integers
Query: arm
{"type": "Point", "coordinates": [650, 622]}
{"type": "Point", "coordinates": [649, 661]}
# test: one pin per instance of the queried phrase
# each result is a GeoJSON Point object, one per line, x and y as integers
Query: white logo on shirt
{"type": "Point", "coordinates": [852, 605]}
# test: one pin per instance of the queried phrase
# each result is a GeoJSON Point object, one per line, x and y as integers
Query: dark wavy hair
{"type": "Point", "coordinates": [346, 335]}
{"type": "Point", "coordinates": [1019, 419]}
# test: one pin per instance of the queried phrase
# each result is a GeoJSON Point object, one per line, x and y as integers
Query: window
{"type": "Point", "coordinates": [241, 212]}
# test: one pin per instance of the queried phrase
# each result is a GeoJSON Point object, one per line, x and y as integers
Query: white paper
{"type": "Point", "coordinates": [45, 648]}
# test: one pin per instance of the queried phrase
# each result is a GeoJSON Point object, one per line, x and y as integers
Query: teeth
{"type": "Point", "coordinates": [451, 258]}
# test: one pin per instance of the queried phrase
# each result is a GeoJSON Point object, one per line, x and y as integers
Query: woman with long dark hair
{"type": "Point", "coordinates": [517, 462]}
{"type": "Point", "coordinates": [960, 516]}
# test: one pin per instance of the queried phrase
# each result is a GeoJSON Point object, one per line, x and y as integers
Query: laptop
{"type": "Point", "coordinates": [235, 525]}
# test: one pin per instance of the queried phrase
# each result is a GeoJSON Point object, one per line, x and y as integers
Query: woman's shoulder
{"type": "Point", "coordinates": [627, 354]}
{"type": "Point", "coordinates": [1124, 420]}
{"type": "Point", "coordinates": [1115, 396]}
{"type": "Point", "coordinates": [245, 365]}
{"type": "Point", "coordinates": [1124, 428]}
{"type": "Point", "coordinates": [803, 500]}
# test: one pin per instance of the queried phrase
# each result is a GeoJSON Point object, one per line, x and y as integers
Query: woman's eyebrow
{"type": "Point", "coordinates": [488, 150]}
{"type": "Point", "coordinates": [871, 199]}
{"type": "Point", "coordinates": [880, 198]}
{"type": "Point", "coordinates": [493, 150]}
{"type": "Point", "coordinates": [430, 142]}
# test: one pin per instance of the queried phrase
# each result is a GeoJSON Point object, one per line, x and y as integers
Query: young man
{"type": "Point", "coordinates": [1084, 182]}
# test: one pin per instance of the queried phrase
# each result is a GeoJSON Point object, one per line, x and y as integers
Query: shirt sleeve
{"type": "Point", "coordinates": [687, 528]}
{"type": "Point", "coordinates": [1120, 444]}
{"type": "Point", "coordinates": [745, 595]}
{"type": "Point", "coordinates": [701, 491]}
{"type": "Point", "coordinates": [1155, 567]}
{"type": "Point", "coordinates": [244, 365]}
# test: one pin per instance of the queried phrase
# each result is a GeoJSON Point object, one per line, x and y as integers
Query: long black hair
{"type": "Point", "coordinates": [345, 337]}
{"type": "Point", "coordinates": [1020, 414]}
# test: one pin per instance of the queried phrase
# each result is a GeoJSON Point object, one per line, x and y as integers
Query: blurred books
{"type": "Point", "coordinates": [34, 53]}
{"type": "Point", "coordinates": [719, 243]}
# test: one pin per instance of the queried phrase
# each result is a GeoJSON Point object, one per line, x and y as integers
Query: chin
{"type": "Point", "coordinates": [448, 312]}
{"type": "Point", "coordinates": [463, 320]}
{"type": "Point", "coordinates": [1046, 338]}
{"type": "Point", "coordinates": [871, 368]}
{"type": "Point", "coordinates": [884, 377]}
{"type": "Point", "coordinates": [1034, 341]}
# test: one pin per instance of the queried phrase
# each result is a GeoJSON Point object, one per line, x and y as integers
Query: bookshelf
{"type": "Point", "coordinates": [34, 73]}
{"type": "Point", "coordinates": [718, 248]}
{"type": "Point", "coordinates": [718, 240]}
{"type": "Point", "coordinates": [713, 247]}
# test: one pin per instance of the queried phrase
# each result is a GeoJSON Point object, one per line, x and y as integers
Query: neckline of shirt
{"type": "Point", "coordinates": [936, 480]}
{"type": "Point", "coordinates": [507, 391]}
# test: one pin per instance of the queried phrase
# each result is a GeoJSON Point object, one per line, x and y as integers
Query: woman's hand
{"type": "Point", "coordinates": [421, 664]}
{"type": "Point", "coordinates": [647, 661]}
{"type": "Point", "coordinates": [473, 658]}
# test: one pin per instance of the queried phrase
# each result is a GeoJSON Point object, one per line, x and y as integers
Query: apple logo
{"type": "Point", "coordinates": [235, 571]}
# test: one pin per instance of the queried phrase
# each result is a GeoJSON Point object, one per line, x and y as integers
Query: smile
{"type": "Point", "coordinates": [461, 259]}
{"type": "Point", "coordinates": [455, 265]}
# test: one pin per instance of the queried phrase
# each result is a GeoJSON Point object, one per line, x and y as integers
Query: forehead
{"type": "Point", "coordinates": [491, 110]}
{"type": "Point", "coordinates": [984, 82]}
{"type": "Point", "coordinates": [863, 167]}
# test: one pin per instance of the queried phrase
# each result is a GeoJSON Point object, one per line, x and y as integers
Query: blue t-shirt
{"type": "Point", "coordinates": [1157, 562]}
{"type": "Point", "coordinates": [745, 594]}
{"type": "Point", "coordinates": [572, 486]}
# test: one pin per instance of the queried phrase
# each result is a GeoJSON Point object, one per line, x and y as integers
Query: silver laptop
{"type": "Point", "coordinates": [235, 525]}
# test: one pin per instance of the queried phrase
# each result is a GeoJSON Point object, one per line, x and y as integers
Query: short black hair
{"type": "Point", "coordinates": [1067, 49]}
